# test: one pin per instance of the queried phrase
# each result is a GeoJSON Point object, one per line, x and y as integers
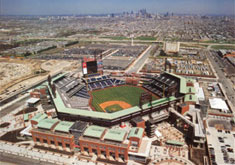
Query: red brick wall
{"type": "Point", "coordinates": [100, 147]}
{"type": "Point", "coordinates": [43, 91]}
{"type": "Point", "coordinates": [189, 84]}
{"type": "Point", "coordinates": [190, 103]}
{"type": "Point", "coordinates": [53, 137]}
{"type": "Point", "coordinates": [184, 108]}
{"type": "Point", "coordinates": [35, 94]}
{"type": "Point", "coordinates": [141, 124]}
{"type": "Point", "coordinates": [135, 139]}
{"type": "Point", "coordinates": [33, 123]}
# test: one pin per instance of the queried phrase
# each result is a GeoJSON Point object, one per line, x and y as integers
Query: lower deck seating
{"type": "Point", "coordinates": [83, 93]}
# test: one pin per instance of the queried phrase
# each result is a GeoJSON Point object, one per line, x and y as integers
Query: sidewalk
{"type": "Point", "coordinates": [41, 155]}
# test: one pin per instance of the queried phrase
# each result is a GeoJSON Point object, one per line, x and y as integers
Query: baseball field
{"type": "Point", "coordinates": [116, 98]}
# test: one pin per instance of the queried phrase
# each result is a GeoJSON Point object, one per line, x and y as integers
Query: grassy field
{"type": "Point", "coordinates": [222, 42]}
{"type": "Point", "coordinates": [128, 94]}
{"type": "Point", "coordinates": [227, 47]}
{"type": "Point", "coordinates": [146, 38]}
{"type": "Point", "coordinates": [116, 37]}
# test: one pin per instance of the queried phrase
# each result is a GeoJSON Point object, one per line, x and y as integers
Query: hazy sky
{"type": "Point", "coordinates": [47, 7]}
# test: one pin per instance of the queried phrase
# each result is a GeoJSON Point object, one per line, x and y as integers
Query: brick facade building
{"type": "Point", "coordinates": [106, 144]}
{"type": "Point", "coordinates": [111, 144]}
{"type": "Point", "coordinates": [37, 93]}
{"type": "Point", "coordinates": [54, 134]}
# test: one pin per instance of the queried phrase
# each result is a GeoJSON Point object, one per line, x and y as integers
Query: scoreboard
{"type": "Point", "coordinates": [92, 66]}
{"type": "Point", "coordinates": [89, 67]}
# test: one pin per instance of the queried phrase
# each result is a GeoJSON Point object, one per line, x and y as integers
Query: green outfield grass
{"type": "Point", "coordinates": [128, 94]}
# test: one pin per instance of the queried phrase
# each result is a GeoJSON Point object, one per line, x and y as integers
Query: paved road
{"type": "Point", "coordinates": [14, 159]}
{"type": "Point", "coordinates": [139, 62]}
{"type": "Point", "coordinates": [12, 107]}
{"type": "Point", "coordinates": [227, 84]}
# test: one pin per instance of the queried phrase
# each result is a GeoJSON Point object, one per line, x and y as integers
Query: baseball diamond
{"type": "Point", "coordinates": [116, 98]}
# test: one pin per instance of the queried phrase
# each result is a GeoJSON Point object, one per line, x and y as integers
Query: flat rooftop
{"type": "Point", "coordinates": [94, 131]}
{"type": "Point", "coordinates": [39, 117]}
{"type": "Point", "coordinates": [47, 123]}
{"type": "Point", "coordinates": [136, 132]}
{"type": "Point", "coordinates": [115, 135]}
{"type": "Point", "coordinates": [64, 126]}
{"type": "Point", "coordinates": [218, 103]}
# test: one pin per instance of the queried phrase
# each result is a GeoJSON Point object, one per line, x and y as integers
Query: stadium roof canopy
{"type": "Point", "coordinates": [115, 135]}
{"type": "Point", "coordinates": [39, 117]}
{"type": "Point", "coordinates": [136, 132]}
{"type": "Point", "coordinates": [47, 123]}
{"type": "Point", "coordinates": [64, 126]}
{"type": "Point", "coordinates": [94, 131]}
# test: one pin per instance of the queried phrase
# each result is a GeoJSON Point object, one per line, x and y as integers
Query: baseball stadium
{"type": "Point", "coordinates": [104, 100]}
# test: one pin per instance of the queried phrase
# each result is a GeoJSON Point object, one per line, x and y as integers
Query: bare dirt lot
{"type": "Point", "coordinates": [14, 70]}
{"type": "Point", "coordinates": [18, 74]}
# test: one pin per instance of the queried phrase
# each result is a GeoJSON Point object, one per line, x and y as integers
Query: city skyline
{"type": "Point", "coordinates": [69, 7]}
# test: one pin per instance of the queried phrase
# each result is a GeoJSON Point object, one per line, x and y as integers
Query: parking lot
{"type": "Point", "coordinates": [220, 141]}
{"type": "Point", "coordinates": [179, 66]}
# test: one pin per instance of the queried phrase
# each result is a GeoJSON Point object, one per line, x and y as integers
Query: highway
{"type": "Point", "coordinates": [227, 84]}
{"type": "Point", "coordinates": [12, 107]}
